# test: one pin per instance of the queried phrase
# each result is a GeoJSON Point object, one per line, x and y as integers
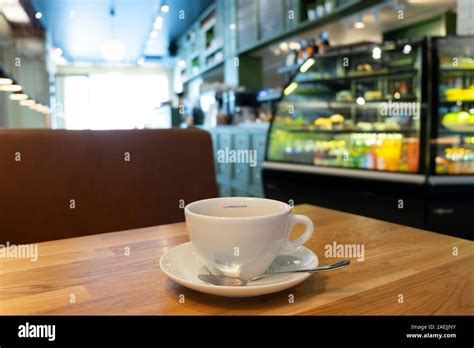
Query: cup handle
{"type": "Point", "coordinates": [308, 232]}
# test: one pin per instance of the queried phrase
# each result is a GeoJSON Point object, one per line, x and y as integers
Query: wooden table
{"type": "Point", "coordinates": [405, 271]}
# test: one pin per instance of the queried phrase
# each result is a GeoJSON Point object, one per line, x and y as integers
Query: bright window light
{"type": "Point", "coordinates": [115, 101]}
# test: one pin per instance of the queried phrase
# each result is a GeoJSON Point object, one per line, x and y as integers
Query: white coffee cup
{"type": "Point", "coordinates": [241, 236]}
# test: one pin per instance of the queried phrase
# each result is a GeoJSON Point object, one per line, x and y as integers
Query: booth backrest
{"type": "Point", "coordinates": [58, 184]}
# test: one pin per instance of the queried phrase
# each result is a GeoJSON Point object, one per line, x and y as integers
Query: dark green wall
{"type": "Point", "coordinates": [250, 72]}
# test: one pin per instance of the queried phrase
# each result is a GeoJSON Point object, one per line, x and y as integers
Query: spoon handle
{"type": "Point", "coordinates": [336, 265]}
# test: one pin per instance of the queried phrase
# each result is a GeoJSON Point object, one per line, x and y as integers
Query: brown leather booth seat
{"type": "Point", "coordinates": [58, 184]}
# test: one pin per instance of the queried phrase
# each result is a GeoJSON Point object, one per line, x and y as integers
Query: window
{"type": "Point", "coordinates": [116, 101]}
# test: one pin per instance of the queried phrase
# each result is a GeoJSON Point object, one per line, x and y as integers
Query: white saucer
{"type": "Point", "coordinates": [183, 264]}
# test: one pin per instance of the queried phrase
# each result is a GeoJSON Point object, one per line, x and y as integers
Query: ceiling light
{"type": "Point", "coordinates": [58, 52]}
{"type": "Point", "coordinates": [4, 78]}
{"type": "Point", "coordinates": [165, 8]}
{"type": "Point", "coordinates": [359, 22]}
{"type": "Point", "coordinates": [182, 63]}
{"type": "Point", "coordinates": [294, 45]}
{"type": "Point", "coordinates": [13, 87]}
{"type": "Point", "coordinates": [38, 15]}
{"type": "Point", "coordinates": [377, 53]}
{"type": "Point", "coordinates": [113, 51]}
{"type": "Point", "coordinates": [158, 22]}
{"type": "Point", "coordinates": [290, 89]}
{"type": "Point", "coordinates": [43, 109]}
{"type": "Point", "coordinates": [154, 34]}
{"type": "Point", "coordinates": [283, 46]}
{"type": "Point", "coordinates": [407, 49]}
{"type": "Point", "coordinates": [308, 64]}
{"type": "Point", "coordinates": [18, 96]}
{"type": "Point", "coordinates": [27, 102]}
{"type": "Point", "coordinates": [232, 26]}
{"type": "Point", "coordinates": [360, 101]}
{"type": "Point", "coordinates": [37, 107]}
{"type": "Point", "coordinates": [5, 81]}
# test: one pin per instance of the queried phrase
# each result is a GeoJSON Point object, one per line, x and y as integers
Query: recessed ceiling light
{"type": "Point", "coordinates": [290, 88]}
{"type": "Point", "coordinates": [377, 53]}
{"type": "Point", "coordinates": [308, 64]}
{"type": "Point", "coordinates": [13, 87]}
{"type": "Point", "coordinates": [158, 22]}
{"type": "Point", "coordinates": [58, 52]}
{"type": "Point", "coordinates": [154, 34]}
{"type": "Point", "coordinates": [113, 51]}
{"type": "Point", "coordinates": [359, 25]}
{"type": "Point", "coordinates": [5, 81]}
{"type": "Point", "coordinates": [293, 45]}
{"type": "Point", "coordinates": [18, 96]}
{"type": "Point", "coordinates": [36, 106]}
{"type": "Point", "coordinates": [165, 8]}
{"type": "Point", "coordinates": [43, 109]}
{"type": "Point", "coordinates": [407, 49]}
{"type": "Point", "coordinates": [27, 102]}
{"type": "Point", "coordinates": [38, 15]}
{"type": "Point", "coordinates": [283, 46]}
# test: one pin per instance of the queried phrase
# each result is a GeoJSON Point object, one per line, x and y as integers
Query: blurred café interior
{"type": "Point", "coordinates": [361, 106]}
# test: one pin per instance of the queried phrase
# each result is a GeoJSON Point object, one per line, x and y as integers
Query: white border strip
{"type": "Point", "coordinates": [347, 172]}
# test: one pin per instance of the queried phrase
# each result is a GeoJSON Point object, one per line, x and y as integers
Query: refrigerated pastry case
{"type": "Point", "coordinates": [362, 108]}
{"type": "Point", "coordinates": [453, 109]}
{"type": "Point", "coordinates": [451, 160]}
{"type": "Point", "coordinates": [355, 131]}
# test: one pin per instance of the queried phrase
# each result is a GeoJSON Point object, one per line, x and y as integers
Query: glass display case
{"type": "Point", "coordinates": [452, 145]}
{"type": "Point", "coordinates": [360, 107]}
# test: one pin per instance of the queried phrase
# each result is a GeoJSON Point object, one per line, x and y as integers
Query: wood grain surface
{"type": "Point", "coordinates": [432, 273]}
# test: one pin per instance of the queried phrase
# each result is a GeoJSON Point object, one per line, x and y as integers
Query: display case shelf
{"type": "Point", "coordinates": [445, 101]}
{"type": "Point", "coordinates": [352, 131]}
{"type": "Point", "coordinates": [356, 77]}
{"type": "Point", "coordinates": [342, 104]}
{"type": "Point", "coordinates": [448, 70]}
